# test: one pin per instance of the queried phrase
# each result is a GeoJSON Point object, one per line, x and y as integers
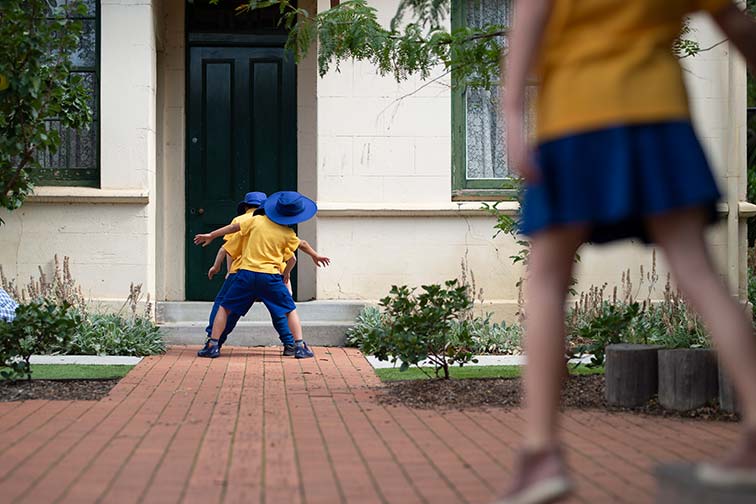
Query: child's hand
{"type": "Point", "coordinates": [203, 239]}
{"type": "Point", "coordinates": [321, 260]}
{"type": "Point", "coordinates": [520, 152]}
{"type": "Point", "coordinates": [212, 272]}
{"type": "Point", "coordinates": [287, 282]}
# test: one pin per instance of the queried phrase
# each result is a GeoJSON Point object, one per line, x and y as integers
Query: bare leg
{"type": "Point", "coordinates": [219, 324]}
{"type": "Point", "coordinates": [552, 256]}
{"type": "Point", "coordinates": [295, 325]}
{"type": "Point", "coordinates": [681, 237]}
{"type": "Point", "coordinates": [540, 474]}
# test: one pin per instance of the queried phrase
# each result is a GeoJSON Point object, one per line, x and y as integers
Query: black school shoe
{"type": "Point", "coordinates": [289, 351]}
{"type": "Point", "coordinates": [211, 350]}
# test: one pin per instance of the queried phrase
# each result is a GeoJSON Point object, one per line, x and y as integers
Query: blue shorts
{"type": "Point", "coordinates": [251, 285]}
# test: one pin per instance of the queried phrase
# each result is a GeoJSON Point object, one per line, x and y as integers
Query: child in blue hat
{"type": "Point", "coordinates": [269, 240]}
{"type": "Point", "coordinates": [231, 252]}
{"type": "Point", "coordinates": [615, 157]}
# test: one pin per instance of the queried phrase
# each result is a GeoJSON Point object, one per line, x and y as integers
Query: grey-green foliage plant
{"type": "Point", "coordinates": [490, 337]}
{"type": "Point", "coordinates": [115, 334]}
{"type": "Point", "coordinates": [36, 42]}
{"type": "Point", "coordinates": [39, 325]}
{"type": "Point", "coordinates": [369, 319]}
{"type": "Point", "coordinates": [419, 326]}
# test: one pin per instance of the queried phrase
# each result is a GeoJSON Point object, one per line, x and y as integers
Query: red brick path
{"type": "Point", "coordinates": [289, 431]}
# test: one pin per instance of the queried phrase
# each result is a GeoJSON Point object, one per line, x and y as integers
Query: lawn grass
{"type": "Point", "coordinates": [461, 373]}
{"type": "Point", "coordinates": [78, 371]}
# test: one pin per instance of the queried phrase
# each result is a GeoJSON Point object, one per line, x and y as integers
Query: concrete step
{"type": "Point", "coordinates": [678, 484]}
{"type": "Point", "coordinates": [198, 311]}
{"type": "Point", "coordinates": [316, 333]}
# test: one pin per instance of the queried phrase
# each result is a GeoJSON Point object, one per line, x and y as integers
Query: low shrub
{"type": "Point", "coordinates": [38, 326]}
{"type": "Point", "coordinates": [421, 326]}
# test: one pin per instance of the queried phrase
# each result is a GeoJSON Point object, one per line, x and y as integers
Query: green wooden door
{"type": "Point", "coordinates": [241, 136]}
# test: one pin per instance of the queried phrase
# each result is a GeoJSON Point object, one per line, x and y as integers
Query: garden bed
{"type": "Point", "coordinates": [70, 382]}
{"type": "Point", "coordinates": [56, 390]}
{"type": "Point", "coordinates": [579, 392]}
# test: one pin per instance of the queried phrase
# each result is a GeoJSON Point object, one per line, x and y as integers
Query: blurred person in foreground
{"type": "Point", "coordinates": [615, 157]}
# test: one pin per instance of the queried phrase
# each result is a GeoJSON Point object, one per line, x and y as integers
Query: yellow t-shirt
{"type": "Point", "coordinates": [235, 243]}
{"type": "Point", "coordinates": [609, 62]}
{"type": "Point", "coordinates": [268, 245]}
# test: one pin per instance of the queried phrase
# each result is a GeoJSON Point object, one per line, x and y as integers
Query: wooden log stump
{"type": "Point", "coordinates": [678, 484]}
{"type": "Point", "coordinates": [728, 400]}
{"type": "Point", "coordinates": [631, 373]}
{"type": "Point", "coordinates": [687, 378]}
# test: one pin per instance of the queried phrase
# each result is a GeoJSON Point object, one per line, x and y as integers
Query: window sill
{"type": "Point", "coordinates": [403, 210]}
{"type": "Point", "coordinates": [54, 194]}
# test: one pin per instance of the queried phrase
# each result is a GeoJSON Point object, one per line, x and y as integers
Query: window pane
{"type": "Point", "coordinates": [486, 153]}
{"type": "Point", "coordinates": [59, 158]}
{"type": "Point", "coordinates": [58, 6]}
{"type": "Point", "coordinates": [76, 161]}
{"type": "Point", "coordinates": [90, 82]}
{"type": "Point", "coordinates": [86, 54]}
{"type": "Point", "coordinates": [82, 145]}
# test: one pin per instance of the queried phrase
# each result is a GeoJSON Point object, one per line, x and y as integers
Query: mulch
{"type": "Point", "coordinates": [579, 392]}
{"type": "Point", "coordinates": [61, 390]}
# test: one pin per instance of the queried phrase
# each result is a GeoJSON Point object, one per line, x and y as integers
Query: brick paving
{"type": "Point", "coordinates": [310, 432]}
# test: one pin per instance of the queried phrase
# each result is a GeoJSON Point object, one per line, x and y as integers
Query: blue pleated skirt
{"type": "Point", "coordinates": [613, 179]}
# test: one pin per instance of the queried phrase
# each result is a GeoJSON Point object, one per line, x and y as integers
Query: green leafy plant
{"type": "Point", "coordinates": [38, 325]}
{"type": "Point", "coordinates": [418, 327]}
{"type": "Point", "coordinates": [608, 326]}
{"type": "Point", "coordinates": [36, 42]}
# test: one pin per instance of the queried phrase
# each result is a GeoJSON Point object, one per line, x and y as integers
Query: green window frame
{"type": "Point", "coordinates": [77, 162]}
{"type": "Point", "coordinates": [465, 187]}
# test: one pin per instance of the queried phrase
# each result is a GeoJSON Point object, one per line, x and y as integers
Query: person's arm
{"type": "Point", "coordinates": [740, 28]}
{"type": "Point", "coordinates": [318, 259]}
{"type": "Point", "coordinates": [207, 238]}
{"type": "Point", "coordinates": [290, 262]}
{"type": "Point", "coordinates": [530, 18]}
{"type": "Point", "coordinates": [215, 268]}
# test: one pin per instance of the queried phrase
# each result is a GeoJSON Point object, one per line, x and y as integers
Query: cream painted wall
{"type": "Point", "coordinates": [384, 184]}
{"type": "Point", "coordinates": [108, 233]}
{"type": "Point", "coordinates": [171, 225]}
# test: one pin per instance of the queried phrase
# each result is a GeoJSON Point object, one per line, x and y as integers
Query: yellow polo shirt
{"type": "Point", "coordinates": [609, 62]}
{"type": "Point", "coordinates": [235, 243]}
{"type": "Point", "coordinates": [267, 245]}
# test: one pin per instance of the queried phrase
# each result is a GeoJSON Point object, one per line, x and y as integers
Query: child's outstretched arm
{"type": "Point", "coordinates": [207, 238]}
{"type": "Point", "coordinates": [529, 22]}
{"type": "Point", "coordinates": [215, 268]}
{"type": "Point", "coordinates": [318, 259]}
{"type": "Point", "coordinates": [740, 28]}
{"type": "Point", "coordinates": [287, 271]}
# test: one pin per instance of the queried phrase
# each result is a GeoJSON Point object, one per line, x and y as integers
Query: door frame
{"type": "Point", "coordinates": [219, 40]}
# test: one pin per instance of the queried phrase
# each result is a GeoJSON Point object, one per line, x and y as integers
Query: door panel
{"type": "Point", "coordinates": [241, 137]}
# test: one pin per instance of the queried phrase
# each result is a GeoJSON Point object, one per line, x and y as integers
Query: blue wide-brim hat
{"type": "Point", "coordinates": [251, 198]}
{"type": "Point", "coordinates": [289, 207]}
